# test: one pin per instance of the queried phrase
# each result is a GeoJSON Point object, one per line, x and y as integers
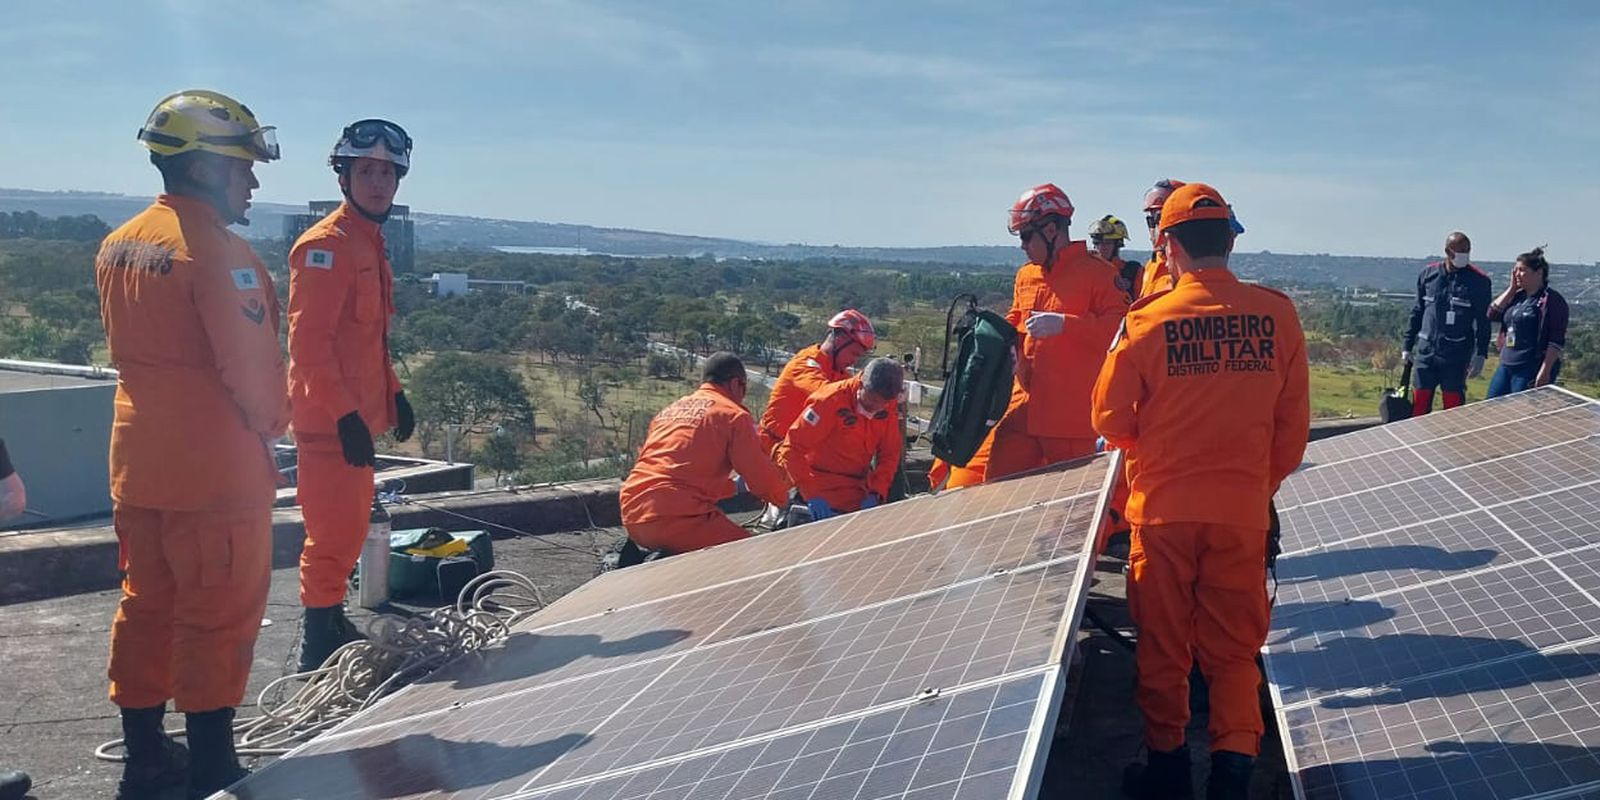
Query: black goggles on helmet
{"type": "Point", "coordinates": [368, 132]}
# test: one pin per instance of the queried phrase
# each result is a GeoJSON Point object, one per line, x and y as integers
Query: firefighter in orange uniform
{"type": "Point", "coordinates": [1155, 278]}
{"type": "Point", "coordinates": [192, 322]}
{"type": "Point", "coordinates": [1207, 392]}
{"type": "Point", "coordinates": [844, 449]}
{"type": "Point", "coordinates": [669, 500]}
{"type": "Point", "coordinates": [850, 334]}
{"type": "Point", "coordinates": [1066, 307]}
{"type": "Point", "coordinates": [343, 386]}
{"type": "Point", "coordinates": [1108, 235]}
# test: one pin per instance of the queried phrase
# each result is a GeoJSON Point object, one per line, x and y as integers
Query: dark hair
{"type": "Point", "coordinates": [1204, 238]}
{"type": "Point", "coordinates": [1534, 260]}
{"type": "Point", "coordinates": [174, 171]}
{"type": "Point", "coordinates": [721, 368]}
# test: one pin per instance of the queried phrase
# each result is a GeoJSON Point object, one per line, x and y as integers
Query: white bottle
{"type": "Point", "coordinates": [374, 563]}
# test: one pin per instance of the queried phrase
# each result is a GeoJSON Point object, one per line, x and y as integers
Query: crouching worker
{"type": "Point", "coordinates": [669, 501]}
{"type": "Point", "coordinates": [843, 450]}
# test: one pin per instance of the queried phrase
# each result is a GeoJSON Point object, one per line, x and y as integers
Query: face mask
{"type": "Point", "coordinates": [1460, 259]}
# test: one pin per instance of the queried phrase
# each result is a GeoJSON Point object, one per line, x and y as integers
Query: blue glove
{"type": "Point", "coordinates": [820, 509]}
{"type": "Point", "coordinates": [1100, 444]}
{"type": "Point", "coordinates": [739, 486]}
{"type": "Point", "coordinates": [870, 501]}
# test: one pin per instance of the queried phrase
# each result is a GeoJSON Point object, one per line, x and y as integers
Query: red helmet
{"type": "Point", "coordinates": [1158, 193]}
{"type": "Point", "coordinates": [1037, 203]}
{"type": "Point", "coordinates": [856, 325]}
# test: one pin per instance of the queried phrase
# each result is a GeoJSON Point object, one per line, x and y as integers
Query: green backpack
{"type": "Point", "coordinates": [978, 387]}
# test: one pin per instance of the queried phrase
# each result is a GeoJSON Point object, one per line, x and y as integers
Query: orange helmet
{"type": "Point", "coordinates": [856, 325]}
{"type": "Point", "coordinates": [1041, 201]}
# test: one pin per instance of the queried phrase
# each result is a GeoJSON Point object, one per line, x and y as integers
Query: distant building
{"type": "Point", "coordinates": [455, 284]}
{"type": "Point", "coordinates": [399, 233]}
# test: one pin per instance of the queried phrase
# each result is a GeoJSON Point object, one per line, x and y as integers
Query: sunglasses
{"type": "Point", "coordinates": [1152, 220]}
{"type": "Point", "coordinates": [1028, 233]}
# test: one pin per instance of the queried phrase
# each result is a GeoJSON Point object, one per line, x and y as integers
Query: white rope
{"type": "Point", "coordinates": [398, 651]}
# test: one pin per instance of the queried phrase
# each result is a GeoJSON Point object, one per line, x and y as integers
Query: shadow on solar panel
{"type": "Point", "coordinates": [914, 649]}
{"type": "Point", "coordinates": [1438, 632]}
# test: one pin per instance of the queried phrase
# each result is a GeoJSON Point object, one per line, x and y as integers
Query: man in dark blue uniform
{"type": "Point", "coordinates": [1448, 338]}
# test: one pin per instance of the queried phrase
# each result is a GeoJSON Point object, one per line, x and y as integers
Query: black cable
{"type": "Point", "coordinates": [1106, 628]}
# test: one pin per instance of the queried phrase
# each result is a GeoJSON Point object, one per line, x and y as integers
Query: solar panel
{"type": "Point", "coordinates": [1438, 633]}
{"type": "Point", "coordinates": [913, 650]}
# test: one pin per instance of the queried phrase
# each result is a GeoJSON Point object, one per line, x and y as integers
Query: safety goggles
{"type": "Point", "coordinates": [261, 142]}
{"type": "Point", "coordinates": [368, 132]}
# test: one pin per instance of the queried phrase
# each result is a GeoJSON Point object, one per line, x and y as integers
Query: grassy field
{"type": "Point", "coordinates": [1348, 392]}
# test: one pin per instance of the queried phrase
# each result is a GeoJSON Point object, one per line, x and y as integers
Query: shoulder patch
{"type": "Point", "coordinates": [319, 259]}
{"type": "Point", "coordinates": [244, 279]}
{"type": "Point", "coordinates": [810, 416]}
{"type": "Point", "coordinates": [811, 362]}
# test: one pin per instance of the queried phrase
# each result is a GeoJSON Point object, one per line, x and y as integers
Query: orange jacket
{"type": "Point", "coordinates": [830, 449]}
{"type": "Point", "coordinates": [341, 294]}
{"type": "Point", "coordinates": [1156, 277]}
{"type": "Point", "coordinates": [683, 468]}
{"type": "Point", "coordinates": [808, 371]}
{"type": "Point", "coordinates": [1058, 372]}
{"type": "Point", "coordinates": [191, 319]}
{"type": "Point", "coordinates": [1208, 393]}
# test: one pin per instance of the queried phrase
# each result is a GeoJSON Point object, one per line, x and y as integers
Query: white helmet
{"type": "Point", "coordinates": [373, 138]}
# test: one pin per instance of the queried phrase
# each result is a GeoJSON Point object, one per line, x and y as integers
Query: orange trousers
{"type": "Point", "coordinates": [194, 590]}
{"type": "Point", "coordinates": [1199, 591]}
{"type": "Point", "coordinates": [336, 501]}
{"type": "Point", "coordinates": [683, 534]}
{"type": "Point", "coordinates": [1014, 450]}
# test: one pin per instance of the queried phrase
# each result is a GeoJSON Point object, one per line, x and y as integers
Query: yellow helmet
{"type": "Point", "coordinates": [1109, 227]}
{"type": "Point", "coordinates": [196, 119]}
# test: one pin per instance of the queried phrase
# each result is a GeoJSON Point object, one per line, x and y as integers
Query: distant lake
{"type": "Point", "coordinates": [584, 251]}
{"type": "Point", "coordinates": [547, 251]}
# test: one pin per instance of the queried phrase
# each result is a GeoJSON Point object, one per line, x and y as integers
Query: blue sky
{"type": "Point", "coordinates": [1354, 127]}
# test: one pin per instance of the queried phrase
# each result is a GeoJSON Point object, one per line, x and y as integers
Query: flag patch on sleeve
{"type": "Point", "coordinates": [810, 416]}
{"type": "Point", "coordinates": [319, 259]}
{"type": "Point", "coordinates": [245, 279]}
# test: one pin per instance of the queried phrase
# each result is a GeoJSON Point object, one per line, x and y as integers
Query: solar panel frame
{"type": "Point", "coordinates": [1054, 573]}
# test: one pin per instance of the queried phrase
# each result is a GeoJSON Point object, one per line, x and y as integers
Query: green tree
{"type": "Point", "coordinates": [499, 452]}
{"type": "Point", "coordinates": [472, 391]}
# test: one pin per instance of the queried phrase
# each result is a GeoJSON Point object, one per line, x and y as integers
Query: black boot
{"type": "Point", "coordinates": [1164, 777]}
{"type": "Point", "coordinates": [14, 785]}
{"type": "Point", "coordinates": [1230, 776]}
{"type": "Point", "coordinates": [156, 766]}
{"type": "Point", "coordinates": [213, 764]}
{"type": "Point", "coordinates": [325, 630]}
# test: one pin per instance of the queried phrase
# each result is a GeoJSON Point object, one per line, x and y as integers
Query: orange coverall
{"type": "Point", "coordinates": [830, 449]}
{"type": "Point", "coordinates": [191, 320]}
{"type": "Point", "coordinates": [1208, 395]}
{"type": "Point", "coordinates": [1056, 373]}
{"type": "Point", "coordinates": [669, 501]}
{"type": "Point", "coordinates": [1156, 277]}
{"type": "Point", "coordinates": [340, 300]}
{"type": "Point", "coordinates": [808, 371]}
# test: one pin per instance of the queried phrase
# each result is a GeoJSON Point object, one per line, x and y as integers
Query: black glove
{"type": "Point", "coordinates": [356, 441]}
{"type": "Point", "coordinates": [406, 421]}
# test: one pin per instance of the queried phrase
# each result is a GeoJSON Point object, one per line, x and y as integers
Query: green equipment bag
{"type": "Point", "coordinates": [419, 576]}
{"type": "Point", "coordinates": [977, 387]}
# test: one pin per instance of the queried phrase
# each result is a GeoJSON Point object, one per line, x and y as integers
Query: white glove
{"type": "Point", "coordinates": [13, 497]}
{"type": "Point", "coordinates": [1044, 324]}
{"type": "Point", "coordinates": [1405, 356]}
{"type": "Point", "coordinates": [1476, 368]}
